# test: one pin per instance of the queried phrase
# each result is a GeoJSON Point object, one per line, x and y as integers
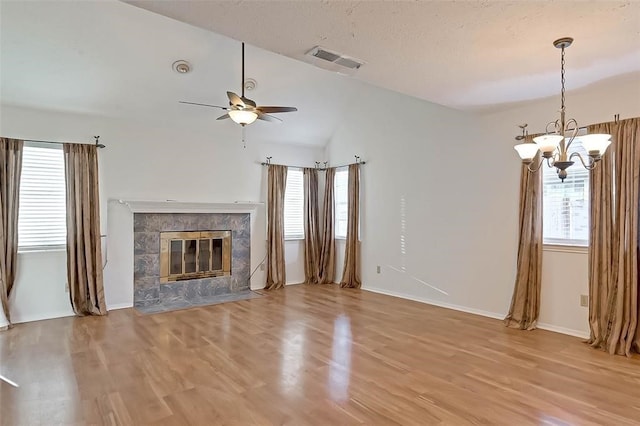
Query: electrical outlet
{"type": "Point", "coordinates": [378, 269]}
{"type": "Point", "coordinates": [584, 300]}
{"type": "Point", "coordinates": [262, 266]}
{"type": "Point", "coordinates": [66, 287]}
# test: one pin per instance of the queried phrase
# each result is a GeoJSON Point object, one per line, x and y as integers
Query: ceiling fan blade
{"type": "Point", "coordinates": [249, 102]}
{"type": "Point", "coordinates": [206, 105]}
{"type": "Point", "coordinates": [276, 109]}
{"type": "Point", "coordinates": [235, 100]}
{"type": "Point", "coordinates": [265, 117]}
{"type": "Point", "coordinates": [222, 117]}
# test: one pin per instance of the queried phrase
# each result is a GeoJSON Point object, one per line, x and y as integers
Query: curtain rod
{"type": "Point", "coordinates": [97, 138]}
{"type": "Point", "coordinates": [317, 166]}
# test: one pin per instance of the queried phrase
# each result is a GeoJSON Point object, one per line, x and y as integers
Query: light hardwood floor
{"type": "Point", "coordinates": [309, 355]}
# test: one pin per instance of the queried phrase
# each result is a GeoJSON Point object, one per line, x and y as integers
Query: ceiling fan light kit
{"type": "Point", "coordinates": [243, 117]}
{"type": "Point", "coordinates": [554, 144]}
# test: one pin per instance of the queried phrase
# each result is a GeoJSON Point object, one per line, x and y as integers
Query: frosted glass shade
{"type": "Point", "coordinates": [242, 116]}
{"type": "Point", "coordinates": [548, 143]}
{"type": "Point", "coordinates": [526, 151]}
{"type": "Point", "coordinates": [596, 142]}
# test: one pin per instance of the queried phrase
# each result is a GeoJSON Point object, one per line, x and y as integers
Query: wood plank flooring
{"type": "Point", "coordinates": [309, 355]}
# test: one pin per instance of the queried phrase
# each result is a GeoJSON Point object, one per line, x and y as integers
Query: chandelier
{"type": "Point", "coordinates": [555, 143]}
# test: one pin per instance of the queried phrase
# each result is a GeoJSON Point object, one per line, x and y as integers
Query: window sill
{"type": "Point", "coordinates": [565, 248]}
{"type": "Point", "coordinates": [41, 249]}
{"type": "Point", "coordinates": [294, 239]}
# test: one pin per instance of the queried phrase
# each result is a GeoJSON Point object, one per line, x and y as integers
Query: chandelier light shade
{"type": "Point", "coordinates": [243, 117]}
{"type": "Point", "coordinates": [559, 135]}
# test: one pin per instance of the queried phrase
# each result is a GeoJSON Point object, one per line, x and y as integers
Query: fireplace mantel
{"type": "Point", "coordinates": [143, 206]}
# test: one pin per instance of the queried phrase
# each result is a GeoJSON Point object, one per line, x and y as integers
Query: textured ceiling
{"type": "Point", "coordinates": [461, 54]}
{"type": "Point", "coordinates": [110, 58]}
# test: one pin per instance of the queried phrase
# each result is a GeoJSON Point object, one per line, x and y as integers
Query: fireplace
{"type": "Point", "coordinates": [191, 255]}
{"type": "Point", "coordinates": [173, 264]}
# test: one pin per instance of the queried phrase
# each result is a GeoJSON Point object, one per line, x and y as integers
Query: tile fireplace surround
{"type": "Point", "coordinates": [147, 289]}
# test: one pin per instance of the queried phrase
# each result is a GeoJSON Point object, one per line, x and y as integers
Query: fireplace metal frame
{"type": "Point", "coordinates": [165, 254]}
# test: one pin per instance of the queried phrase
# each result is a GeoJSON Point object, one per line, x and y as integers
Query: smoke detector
{"type": "Point", "coordinates": [181, 67]}
{"type": "Point", "coordinates": [333, 61]}
{"type": "Point", "coordinates": [250, 84]}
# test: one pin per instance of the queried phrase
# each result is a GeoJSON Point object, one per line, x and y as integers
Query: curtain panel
{"type": "Point", "coordinates": [84, 251]}
{"type": "Point", "coordinates": [327, 266]}
{"type": "Point", "coordinates": [614, 307]}
{"type": "Point", "coordinates": [276, 184]}
{"type": "Point", "coordinates": [311, 227]}
{"type": "Point", "coordinates": [351, 272]}
{"type": "Point", "coordinates": [10, 169]}
{"type": "Point", "coordinates": [525, 302]}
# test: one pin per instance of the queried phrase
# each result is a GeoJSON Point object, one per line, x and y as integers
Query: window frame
{"type": "Point", "coordinates": [300, 236]}
{"type": "Point", "coordinates": [344, 170]}
{"type": "Point", "coordinates": [568, 245]}
{"type": "Point", "coordinates": [41, 247]}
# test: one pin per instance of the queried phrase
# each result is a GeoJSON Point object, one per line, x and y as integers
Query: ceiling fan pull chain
{"type": "Point", "coordinates": [244, 142]}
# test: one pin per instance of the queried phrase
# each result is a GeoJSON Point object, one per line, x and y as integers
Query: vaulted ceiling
{"type": "Point", "coordinates": [464, 54]}
{"type": "Point", "coordinates": [114, 59]}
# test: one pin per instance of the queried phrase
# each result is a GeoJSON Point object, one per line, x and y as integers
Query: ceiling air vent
{"type": "Point", "coordinates": [333, 61]}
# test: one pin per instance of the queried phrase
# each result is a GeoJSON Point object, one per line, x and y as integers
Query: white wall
{"type": "Point", "coordinates": [565, 274]}
{"type": "Point", "coordinates": [40, 291]}
{"type": "Point", "coordinates": [440, 199]}
{"type": "Point", "coordinates": [185, 160]}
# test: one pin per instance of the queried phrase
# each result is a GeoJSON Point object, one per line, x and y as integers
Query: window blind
{"type": "Point", "coordinates": [566, 204]}
{"type": "Point", "coordinates": [294, 205]}
{"type": "Point", "coordinates": [340, 188]}
{"type": "Point", "coordinates": [42, 210]}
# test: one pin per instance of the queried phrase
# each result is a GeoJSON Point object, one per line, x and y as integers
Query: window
{"type": "Point", "coordinates": [294, 205]}
{"type": "Point", "coordinates": [42, 211]}
{"type": "Point", "coordinates": [340, 188]}
{"type": "Point", "coordinates": [566, 204]}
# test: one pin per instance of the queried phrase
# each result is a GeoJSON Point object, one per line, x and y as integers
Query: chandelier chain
{"type": "Point", "coordinates": [562, 78]}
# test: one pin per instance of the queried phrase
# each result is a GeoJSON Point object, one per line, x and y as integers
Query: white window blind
{"type": "Point", "coordinates": [340, 188]}
{"type": "Point", "coordinates": [566, 204]}
{"type": "Point", "coordinates": [42, 211]}
{"type": "Point", "coordinates": [294, 205]}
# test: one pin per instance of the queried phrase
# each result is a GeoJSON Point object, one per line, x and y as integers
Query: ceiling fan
{"type": "Point", "coordinates": [244, 110]}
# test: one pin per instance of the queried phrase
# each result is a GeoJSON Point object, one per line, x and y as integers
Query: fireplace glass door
{"type": "Point", "coordinates": [190, 255]}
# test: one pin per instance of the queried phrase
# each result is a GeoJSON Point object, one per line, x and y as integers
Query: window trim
{"type": "Point", "coordinates": [564, 248]}
{"type": "Point", "coordinates": [566, 244]}
{"type": "Point", "coordinates": [49, 247]}
{"type": "Point", "coordinates": [335, 204]}
{"type": "Point", "coordinates": [296, 237]}
{"type": "Point", "coordinates": [42, 249]}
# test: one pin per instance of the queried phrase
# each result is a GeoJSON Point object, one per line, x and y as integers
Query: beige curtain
{"type": "Point", "coordinates": [351, 272]}
{"type": "Point", "coordinates": [10, 169]}
{"type": "Point", "coordinates": [327, 267]}
{"type": "Point", "coordinates": [276, 183]}
{"type": "Point", "coordinates": [311, 227]}
{"type": "Point", "coordinates": [614, 308]}
{"type": "Point", "coordinates": [84, 253]}
{"type": "Point", "coordinates": [525, 302]}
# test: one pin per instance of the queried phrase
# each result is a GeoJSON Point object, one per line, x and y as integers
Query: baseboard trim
{"type": "Point", "coordinates": [42, 317]}
{"type": "Point", "coordinates": [460, 308]}
{"type": "Point", "coordinates": [542, 326]}
{"type": "Point", "coordinates": [117, 306]}
{"type": "Point", "coordinates": [563, 330]}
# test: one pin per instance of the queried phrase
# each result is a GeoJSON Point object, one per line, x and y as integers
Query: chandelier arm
{"type": "Point", "coordinates": [589, 165]}
{"type": "Point", "coordinates": [556, 127]}
{"type": "Point", "coordinates": [536, 168]}
{"type": "Point", "coordinates": [573, 129]}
